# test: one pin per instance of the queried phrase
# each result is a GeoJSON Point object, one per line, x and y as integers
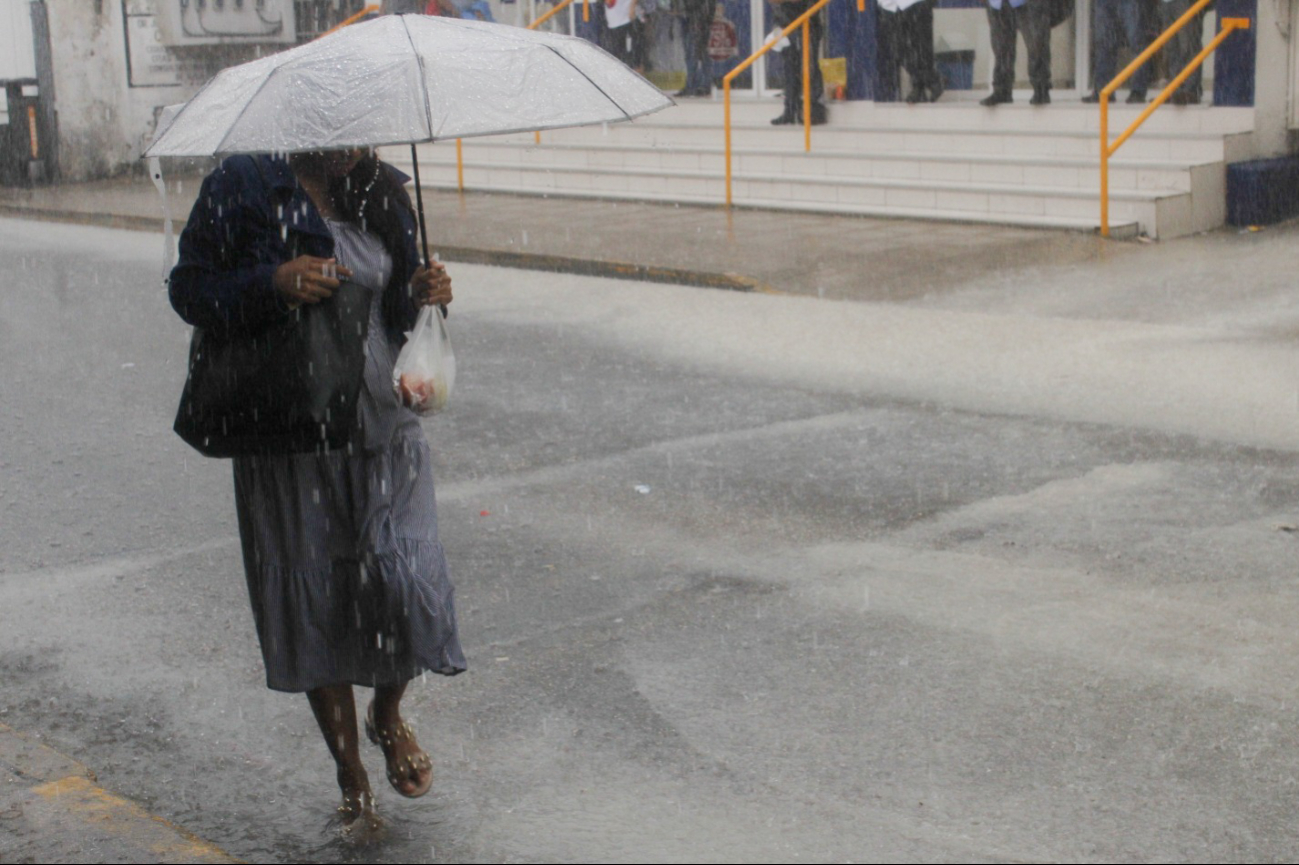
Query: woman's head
{"type": "Point", "coordinates": [330, 163]}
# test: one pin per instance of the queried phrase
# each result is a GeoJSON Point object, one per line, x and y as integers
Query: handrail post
{"type": "Point", "coordinates": [1105, 166]}
{"type": "Point", "coordinates": [807, 86]}
{"type": "Point", "coordinates": [726, 98]}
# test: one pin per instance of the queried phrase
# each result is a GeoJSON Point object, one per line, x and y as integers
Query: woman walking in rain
{"type": "Point", "coordinates": [346, 576]}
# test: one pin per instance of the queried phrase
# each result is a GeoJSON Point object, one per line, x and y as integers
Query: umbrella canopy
{"type": "Point", "coordinates": [405, 79]}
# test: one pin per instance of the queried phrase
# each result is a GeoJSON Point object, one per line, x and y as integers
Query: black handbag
{"type": "Point", "coordinates": [288, 388]}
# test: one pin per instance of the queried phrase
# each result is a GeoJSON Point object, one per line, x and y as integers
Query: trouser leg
{"type": "Point", "coordinates": [793, 60]}
{"type": "Point", "coordinates": [1135, 33]}
{"type": "Point", "coordinates": [697, 74]}
{"type": "Point", "coordinates": [793, 57]}
{"type": "Point", "coordinates": [818, 84]}
{"type": "Point", "coordinates": [639, 45]}
{"type": "Point", "coordinates": [1105, 41]}
{"type": "Point", "coordinates": [918, 45]}
{"type": "Point", "coordinates": [1001, 25]}
{"type": "Point", "coordinates": [1034, 20]}
{"type": "Point", "coordinates": [1184, 45]}
{"type": "Point", "coordinates": [888, 58]}
{"type": "Point", "coordinates": [619, 45]}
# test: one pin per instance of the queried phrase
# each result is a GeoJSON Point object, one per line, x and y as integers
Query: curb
{"type": "Point", "coordinates": [463, 254]}
{"type": "Point", "coordinates": [54, 811]}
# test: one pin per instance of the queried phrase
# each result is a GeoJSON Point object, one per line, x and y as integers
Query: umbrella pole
{"type": "Point", "coordinates": [419, 204]}
{"type": "Point", "coordinates": [419, 200]}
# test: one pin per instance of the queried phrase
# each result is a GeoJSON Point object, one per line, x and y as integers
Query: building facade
{"type": "Point", "coordinates": [91, 76]}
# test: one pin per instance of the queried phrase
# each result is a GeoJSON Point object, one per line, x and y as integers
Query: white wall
{"type": "Point", "coordinates": [104, 121]}
{"type": "Point", "coordinates": [1274, 82]}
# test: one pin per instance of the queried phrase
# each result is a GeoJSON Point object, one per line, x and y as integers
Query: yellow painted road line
{"type": "Point", "coordinates": [83, 801]}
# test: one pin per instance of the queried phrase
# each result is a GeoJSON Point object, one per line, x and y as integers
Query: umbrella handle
{"type": "Point", "coordinates": [423, 229]}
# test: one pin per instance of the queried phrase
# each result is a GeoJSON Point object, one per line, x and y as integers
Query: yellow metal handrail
{"type": "Point", "coordinates": [1229, 25]}
{"type": "Point", "coordinates": [373, 7]}
{"type": "Point", "coordinates": [586, 13]}
{"type": "Point", "coordinates": [802, 21]}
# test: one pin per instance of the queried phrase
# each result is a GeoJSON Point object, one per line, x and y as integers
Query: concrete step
{"type": "Point", "coordinates": [954, 160]}
{"type": "Point", "coordinates": [1070, 116]}
{"type": "Point", "coordinates": [1174, 146]}
{"type": "Point", "coordinates": [960, 167]}
{"type": "Point", "coordinates": [1120, 226]}
{"type": "Point", "coordinates": [991, 202]}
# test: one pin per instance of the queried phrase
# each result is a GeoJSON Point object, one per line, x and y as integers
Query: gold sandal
{"type": "Point", "coordinates": [386, 739]}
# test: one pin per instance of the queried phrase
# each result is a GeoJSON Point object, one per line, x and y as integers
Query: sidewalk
{"type": "Point", "coordinates": [796, 253]}
{"type": "Point", "coordinates": [51, 810]}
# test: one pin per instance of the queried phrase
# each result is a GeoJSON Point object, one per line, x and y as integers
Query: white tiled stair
{"type": "Point", "coordinates": [953, 161]}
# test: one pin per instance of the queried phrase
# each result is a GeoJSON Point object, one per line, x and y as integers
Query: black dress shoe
{"type": "Point", "coordinates": [917, 94]}
{"type": "Point", "coordinates": [1093, 98]}
{"type": "Point", "coordinates": [1041, 96]}
{"type": "Point", "coordinates": [996, 98]}
{"type": "Point", "coordinates": [783, 120]}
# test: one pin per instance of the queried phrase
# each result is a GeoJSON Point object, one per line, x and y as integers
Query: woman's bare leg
{"type": "Point", "coordinates": [409, 768]}
{"type": "Point", "coordinates": [335, 710]}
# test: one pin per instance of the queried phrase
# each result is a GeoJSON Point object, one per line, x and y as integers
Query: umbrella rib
{"type": "Point", "coordinates": [265, 80]}
{"type": "Point", "coordinates": [423, 77]}
{"type": "Point", "coordinates": [579, 71]}
{"type": "Point", "coordinates": [180, 113]}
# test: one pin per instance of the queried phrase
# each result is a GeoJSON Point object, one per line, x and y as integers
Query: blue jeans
{"type": "Point", "coordinates": [698, 66]}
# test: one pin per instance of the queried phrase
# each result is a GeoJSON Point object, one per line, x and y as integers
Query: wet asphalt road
{"type": "Point", "coordinates": [855, 616]}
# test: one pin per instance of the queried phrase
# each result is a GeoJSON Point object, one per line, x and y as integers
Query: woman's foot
{"type": "Point", "coordinates": [410, 771]}
{"type": "Point", "coordinates": [357, 817]}
{"type": "Point", "coordinates": [335, 711]}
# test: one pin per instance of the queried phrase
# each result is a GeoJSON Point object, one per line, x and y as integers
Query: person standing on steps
{"type": "Point", "coordinates": [1006, 18]}
{"type": "Point", "coordinates": [696, 16]}
{"type": "Point", "coordinates": [907, 27]}
{"type": "Point", "coordinates": [1115, 21]}
{"type": "Point", "coordinates": [786, 12]}
{"type": "Point", "coordinates": [1182, 48]}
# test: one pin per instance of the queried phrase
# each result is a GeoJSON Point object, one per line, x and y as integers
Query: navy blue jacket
{"type": "Point", "coordinates": [251, 216]}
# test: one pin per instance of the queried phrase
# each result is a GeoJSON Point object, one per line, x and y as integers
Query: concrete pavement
{"type": "Point", "coordinates": [799, 253]}
{"type": "Point", "coordinates": [918, 271]}
{"type": "Point", "coordinates": [54, 805]}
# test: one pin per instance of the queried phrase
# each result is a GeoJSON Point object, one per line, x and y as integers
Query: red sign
{"type": "Point", "coordinates": [723, 41]}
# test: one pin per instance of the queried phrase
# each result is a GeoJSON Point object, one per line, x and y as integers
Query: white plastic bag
{"type": "Point", "coordinates": [426, 368]}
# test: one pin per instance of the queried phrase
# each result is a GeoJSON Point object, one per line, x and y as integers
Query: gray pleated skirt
{"type": "Point", "coordinates": [347, 578]}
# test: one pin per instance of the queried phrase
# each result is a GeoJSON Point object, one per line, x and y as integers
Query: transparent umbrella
{"type": "Point", "coordinates": [404, 79]}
